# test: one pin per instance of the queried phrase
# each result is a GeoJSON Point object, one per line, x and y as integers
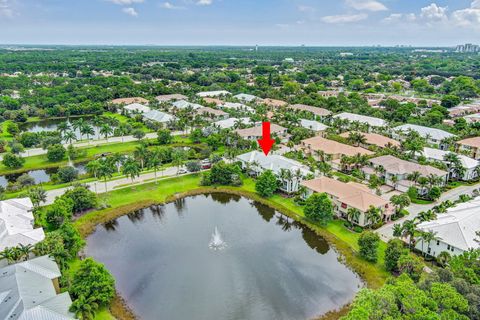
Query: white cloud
{"type": "Point", "coordinates": [344, 18]}
{"type": "Point", "coordinates": [468, 17]}
{"type": "Point", "coordinates": [125, 2]}
{"type": "Point", "coordinates": [368, 5]}
{"type": "Point", "coordinates": [302, 8]}
{"type": "Point", "coordinates": [400, 17]}
{"type": "Point", "coordinates": [434, 12]}
{"type": "Point", "coordinates": [204, 2]}
{"type": "Point", "coordinates": [130, 11]}
{"type": "Point", "coordinates": [5, 9]}
{"type": "Point", "coordinates": [170, 6]}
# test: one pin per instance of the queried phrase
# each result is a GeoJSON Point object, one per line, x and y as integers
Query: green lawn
{"type": "Point", "coordinates": [4, 134]}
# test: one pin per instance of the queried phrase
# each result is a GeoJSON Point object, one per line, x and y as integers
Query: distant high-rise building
{"type": "Point", "coordinates": [467, 48]}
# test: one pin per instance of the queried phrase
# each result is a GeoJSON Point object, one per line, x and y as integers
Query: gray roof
{"type": "Point", "coordinates": [246, 97]}
{"type": "Point", "coordinates": [273, 162]}
{"type": "Point", "coordinates": [16, 223]}
{"type": "Point", "coordinates": [158, 116]}
{"type": "Point", "coordinates": [436, 134]}
{"type": "Point", "coordinates": [27, 291]}
{"type": "Point", "coordinates": [372, 121]}
{"type": "Point", "coordinates": [182, 104]}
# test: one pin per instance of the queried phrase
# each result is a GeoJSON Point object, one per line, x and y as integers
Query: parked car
{"type": "Point", "coordinates": [182, 171]}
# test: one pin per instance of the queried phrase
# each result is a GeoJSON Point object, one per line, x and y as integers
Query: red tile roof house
{"type": "Point", "coordinates": [350, 195]}
{"type": "Point", "coordinates": [255, 133]}
{"type": "Point", "coordinates": [470, 147]}
{"type": "Point", "coordinates": [400, 169]}
{"type": "Point", "coordinates": [214, 114]}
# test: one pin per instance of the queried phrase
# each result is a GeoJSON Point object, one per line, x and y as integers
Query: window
{"type": "Point", "coordinates": [344, 205]}
{"type": "Point", "coordinates": [438, 242]}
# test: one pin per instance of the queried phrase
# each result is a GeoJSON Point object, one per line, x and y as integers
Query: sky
{"type": "Point", "coordinates": [241, 22]}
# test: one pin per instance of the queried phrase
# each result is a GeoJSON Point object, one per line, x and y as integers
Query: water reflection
{"type": "Point", "coordinates": [272, 268]}
{"type": "Point", "coordinates": [39, 176]}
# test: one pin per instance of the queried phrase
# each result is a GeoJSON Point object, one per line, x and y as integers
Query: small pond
{"type": "Point", "coordinates": [40, 176]}
{"type": "Point", "coordinates": [170, 262]}
{"type": "Point", "coordinates": [52, 125]}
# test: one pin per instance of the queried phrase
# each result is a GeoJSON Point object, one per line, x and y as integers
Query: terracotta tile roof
{"type": "Point", "coordinates": [274, 103]}
{"type": "Point", "coordinates": [333, 147]}
{"type": "Point", "coordinates": [353, 194]}
{"type": "Point", "coordinates": [215, 101]}
{"type": "Point", "coordinates": [375, 139]}
{"type": "Point", "coordinates": [130, 100]}
{"type": "Point", "coordinates": [169, 97]}
{"type": "Point", "coordinates": [210, 111]}
{"type": "Point", "coordinates": [398, 166]}
{"type": "Point", "coordinates": [471, 142]}
{"type": "Point", "coordinates": [315, 110]}
{"type": "Point", "coordinates": [257, 130]}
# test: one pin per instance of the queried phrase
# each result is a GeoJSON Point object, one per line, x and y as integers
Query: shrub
{"type": "Point", "coordinates": [393, 252]}
{"type": "Point", "coordinates": [12, 161]}
{"type": "Point", "coordinates": [266, 184]}
{"type": "Point", "coordinates": [319, 208]}
{"type": "Point", "coordinates": [83, 199]}
{"type": "Point", "coordinates": [193, 166]}
{"type": "Point", "coordinates": [358, 229]}
{"type": "Point", "coordinates": [67, 174]}
{"type": "Point", "coordinates": [164, 136]}
{"type": "Point", "coordinates": [368, 243]}
{"type": "Point", "coordinates": [56, 153]}
{"type": "Point", "coordinates": [25, 180]}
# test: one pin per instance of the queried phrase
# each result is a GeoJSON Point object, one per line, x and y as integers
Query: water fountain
{"type": "Point", "coordinates": [217, 243]}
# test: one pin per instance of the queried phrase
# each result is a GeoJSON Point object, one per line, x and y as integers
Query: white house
{"type": "Point", "coordinates": [217, 93]}
{"type": "Point", "coordinates": [29, 290]}
{"type": "Point", "coordinates": [158, 117]}
{"type": "Point", "coordinates": [432, 135]}
{"type": "Point", "coordinates": [16, 224]}
{"type": "Point", "coordinates": [136, 108]}
{"type": "Point", "coordinates": [352, 117]}
{"type": "Point", "coordinates": [468, 163]}
{"type": "Point", "coordinates": [236, 106]}
{"type": "Point", "coordinates": [230, 122]}
{"type": "Point", "coordinates": [183, 104]}
{"type": "Point", "coordinates": [315, 126]}
{"type": "Point", "coordinates": [246, 97]}
{"type": "Point", "coordinates": [456, 230]}
{"type": "Point", "coordinates": [256, 162]}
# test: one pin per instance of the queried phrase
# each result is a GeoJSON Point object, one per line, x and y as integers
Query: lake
{"type": "Point", "coordinates": [269, 268]}
{"type": "Point", "coordinates": [40, 176]}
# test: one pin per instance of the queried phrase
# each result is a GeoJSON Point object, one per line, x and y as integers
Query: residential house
{"type": "Point", "coordinates": [395, 171]}
{"type": "Point", "coordinates": [317, 127]}
{"type": "Point", "coordinates": [288, 171]}
{"type": "Point", "coordinates": [350, 195]}
{"type": "Point", "coordinates": [231, 122]}
{"type": "Point", "coordinates": [170, 97]}
{"type": "Point", "coordinates": [217, 93]}
{"type": "Point", "coordinates": [352, 117]}
{"type": "Point", "coordinates": [470, 147]}
{"type": "Point", "coordinates": [236, 106]}
{"type": "Point", "coordinates": [136, 108]}
{"type": "Point", "coordinates": [217, 102]}
{"type": "Point", "coordinates": [246, 97]}
{"type": "Point", "coordinates": [375, 139]}
{"type": "Point", "coordinates": [125, 101]}
{"type": "Point", "coordinates": [333, 149]}
{"type": "Point", "coordinates": [158, 117]}
{"type": "Point", "coordinates": [431, 135]}
{"type": "Point", "coordinates": [17, 224]}
{"type": "Point", "coordinates": [456, 230]}
{"type": "Point", "coordinates": [468, 163]}
{"type": "Point", "coordinates": [273, 103]}
{"type": "Point", "coordinates": [329, 93]}
{"type": "Point", "coordinates": [318, 112]}
{"type": "Point", "coordinates": [211, 113]}
{"type": "Point", "coordinates": [183, 104]}
{"type": "Point", "coordinates": [29, 290]}
{"type": "Point", "coordinates": [255, 133]}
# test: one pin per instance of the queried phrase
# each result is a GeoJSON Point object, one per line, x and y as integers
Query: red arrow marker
{"type": "Point", "coordinates": [266, 142]}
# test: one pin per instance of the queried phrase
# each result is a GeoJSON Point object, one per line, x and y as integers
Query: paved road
{"type": "Point", "coordinates": [386, 231]}
{"type": "Point", "coordinates": [99, 186]}
{"type": "Point", "coordinates": [40, 151]}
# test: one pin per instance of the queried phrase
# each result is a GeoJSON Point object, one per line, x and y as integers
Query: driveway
{"type": "Point", "coordinates": [386, 231]}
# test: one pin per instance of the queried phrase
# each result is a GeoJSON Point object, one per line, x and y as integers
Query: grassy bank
{"type": "Point", "coordinates": [129, 199]}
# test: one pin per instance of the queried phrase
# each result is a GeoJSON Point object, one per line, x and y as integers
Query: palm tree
{"type": "Point", "coordinates": [397, 230]}
{"type": "Point", "coordinates": [353, 214]}
{"type": "Point", "coordinates": [155, 161]}
{"type": "Point", "coordinates": [24, 251]}
{"type": "Point", "coordinates": [87, 129]}
{"type": "Point", "coordinates": [105, 171]}
{"type": "Point", "coordinates": [408, 230]}
{"type": "Point", "coordinates": [373, 215]}
{"type": "Point", "coordinates": [414, 176]}
{"type": "Point", "coordinates": [426, 216]}
{"type": "Point", "coordinates": [93, 167]}
{"type": "Point", "coordinates": [106, 130]}
{"type": "Point", "coordinates": [178, 157]}
{"type": "Point", "coordinates": [141, 154]}
{"type": "Point", "coordinates": [117, 160]}
{"type": "Point", "coordinates": [69, 136]}
{"type": "Point", "coordinates": [37, 195]}
{"type": "Point", "coordinates": [63, 127]}
{"type": "Point", "coordinates": [428, 237]}
{"type": "Point", "coordinates": [84, 308]}
{"type": "Point", "coordinates": [131, 169]}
